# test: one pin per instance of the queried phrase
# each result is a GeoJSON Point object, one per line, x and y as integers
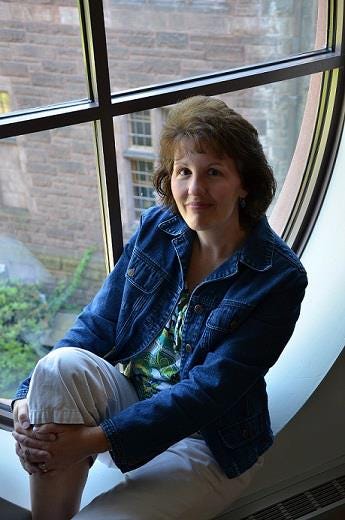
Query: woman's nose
{"type": "Point", "coordinates": [196, 185]}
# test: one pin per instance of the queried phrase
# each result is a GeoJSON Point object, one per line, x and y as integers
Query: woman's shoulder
{"type": "Point", "coordinates": [156, 214]}
{"type": "Point", "coordinates": [266, 249]}
{"type": "Point", "coordinates": [283, 250]}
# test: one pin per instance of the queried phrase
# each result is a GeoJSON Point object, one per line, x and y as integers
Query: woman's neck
{"type": "Point", "coordinates": [218, 247]}
{"type": "Point", "coordinates": [208, 254]}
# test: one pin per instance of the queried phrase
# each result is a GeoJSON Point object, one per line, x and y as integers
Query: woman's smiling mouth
{"type": "Point", "coordinates": [198, 205]}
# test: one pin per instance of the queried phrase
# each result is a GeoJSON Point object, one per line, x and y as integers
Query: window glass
{"type": "Point", "coordinates": [276, 110]}
{"type": "Point", "coordinates": [153, 41]}
{"type": "Point", "coordinates": [140, 128]}
{"type": "Point", "coordinates": [143, 195]}
{"type": "Point", "coordinates": [41, 58]}
{"type": "Point", "coordinates": [51, 248]}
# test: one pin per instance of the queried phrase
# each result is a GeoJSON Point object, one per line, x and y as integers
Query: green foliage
{"type": "Point", "coordinates": [65, 289]}
{"type": "Point", "coordinates": [25, 316]}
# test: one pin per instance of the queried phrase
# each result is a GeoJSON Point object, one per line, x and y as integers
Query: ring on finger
{"type": "Point", "coordinates": [43, 467]}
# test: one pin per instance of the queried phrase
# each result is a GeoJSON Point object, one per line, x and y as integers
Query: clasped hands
{"type": "Point", "coordinates": [48, 448]}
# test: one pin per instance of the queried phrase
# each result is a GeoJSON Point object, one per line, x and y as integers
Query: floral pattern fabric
{"type": "Point", "coordinates": [158, 367]}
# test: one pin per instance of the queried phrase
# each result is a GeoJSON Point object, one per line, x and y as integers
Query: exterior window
{"type": "Point", "coordinates": [143, 191]}
{"type": "Point", "coordinates": [4, 102]}
{"type": "Point", "coordinates": [140, 129]}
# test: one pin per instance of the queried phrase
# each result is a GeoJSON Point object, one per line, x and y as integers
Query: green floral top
{"type": "Point", "coordinates": [158, 367]}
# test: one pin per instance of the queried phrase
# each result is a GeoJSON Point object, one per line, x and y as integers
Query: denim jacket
{"type": "Point", "coordinates": [238, 320]}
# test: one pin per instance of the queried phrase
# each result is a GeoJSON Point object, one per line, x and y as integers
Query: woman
{"type": "Point", "coordinates": [198, 308]}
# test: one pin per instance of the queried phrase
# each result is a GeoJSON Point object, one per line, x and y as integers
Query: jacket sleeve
{"type": "Point", "coordinates": [212, 388]}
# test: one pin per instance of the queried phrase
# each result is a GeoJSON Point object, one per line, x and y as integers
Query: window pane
{"type": "Point", "coordinates": [41, 58]}
{"type": "Point", "coordinates": [140, 128]}
{"type": "Point", "coordinates": [152, 41]}
{"type": "Point", "coordinates": [51, 248]}
{"type": "Point", "coordinates": [276, 110]}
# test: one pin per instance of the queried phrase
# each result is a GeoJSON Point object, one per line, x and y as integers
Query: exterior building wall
{"type": "Point", "coordinates": [48, 182]}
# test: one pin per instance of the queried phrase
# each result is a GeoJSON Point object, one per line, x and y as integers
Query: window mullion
{"type": "Point", "coordinates": [230, 81]}
{"type": "Point", "coordinates": [104, 129]}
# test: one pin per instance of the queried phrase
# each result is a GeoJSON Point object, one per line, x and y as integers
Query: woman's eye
{"type": "Point", "coordinates": [183, 172]}
{"type": "Point", "coordinates": [213, 172]}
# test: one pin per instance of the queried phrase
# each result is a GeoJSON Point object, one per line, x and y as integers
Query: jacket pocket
{"type": "Point", "coordinates": [228, 317]}
{"type": "Point", "coordinates": [143, 273]}
{"type": "Point", "coordinates": [243, 432]}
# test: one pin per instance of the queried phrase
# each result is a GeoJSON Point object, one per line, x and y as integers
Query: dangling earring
{"type": "Point", "coordinates": [242, 203]}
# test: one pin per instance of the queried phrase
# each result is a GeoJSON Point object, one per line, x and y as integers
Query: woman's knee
{"type": "Point", "coordinates": [64, 361]}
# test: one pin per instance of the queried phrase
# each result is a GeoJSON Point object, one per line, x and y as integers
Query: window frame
{"type": "Point", "coordinates": [102, 106]}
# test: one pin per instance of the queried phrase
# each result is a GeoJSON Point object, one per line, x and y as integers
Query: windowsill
{"type": "Point", "coordinates": [132, 153]}
{"type": "Point", "coordinates": [6, 422]}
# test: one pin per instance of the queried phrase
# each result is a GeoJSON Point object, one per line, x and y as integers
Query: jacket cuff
{"type": "Point", "coordinates": [115, 450]}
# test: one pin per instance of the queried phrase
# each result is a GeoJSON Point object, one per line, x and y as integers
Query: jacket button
{"type": "Point", "coordinates": [130, 272]}
{"type": "Point", "coordinates": [189, 348]}
{"type": "Point", "coordinates": [198, 308]}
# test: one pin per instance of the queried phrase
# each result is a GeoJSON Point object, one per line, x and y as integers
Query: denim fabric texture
{"type": "Point", "coordinates": [237, 323]}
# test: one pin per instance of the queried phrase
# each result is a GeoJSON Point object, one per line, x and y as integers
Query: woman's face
{"type": "Point", "coordinates": [206, 188]}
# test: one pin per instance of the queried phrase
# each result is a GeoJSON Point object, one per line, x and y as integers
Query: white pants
{"type": "Point", "coordinates": [74, 386]}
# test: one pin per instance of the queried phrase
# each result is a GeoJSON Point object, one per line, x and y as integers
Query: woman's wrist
{"type": "Point", "coordinates": [97, 441]}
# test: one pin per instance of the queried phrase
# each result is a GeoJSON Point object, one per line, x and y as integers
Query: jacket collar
{"type": "Point", "coordinates": [256, 252]}
{"type": "Point", "coordinates": [175, 225]}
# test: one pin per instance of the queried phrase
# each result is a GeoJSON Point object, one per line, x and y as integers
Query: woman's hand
{"type": "Point", "coordinates": [72, 443]}
{"type": "Point", "coordinates": [31, 459]}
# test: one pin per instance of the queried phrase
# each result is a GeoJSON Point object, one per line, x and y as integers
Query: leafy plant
{"type": "Point", "coordinates": [25, 315]}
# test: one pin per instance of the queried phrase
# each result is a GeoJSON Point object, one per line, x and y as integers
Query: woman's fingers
{"type": "Point", "coordinates": [27, 442]}
{"type": "Point", "coordinates": [28, 466]}
{"type": "Point", "coordinates": [49, 428]}
{"type": "Point", "coordinates": [21, 413]}
{"type": "Point", "coordinates": [47, 432]}
{"type": "Point", "coordinates": [32, 456]}
{"type": "Point", "coordinates": [44, 436]}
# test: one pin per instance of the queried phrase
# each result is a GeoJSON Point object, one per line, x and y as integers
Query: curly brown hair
{"type": "Point", "coordinates": [210, 121]}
